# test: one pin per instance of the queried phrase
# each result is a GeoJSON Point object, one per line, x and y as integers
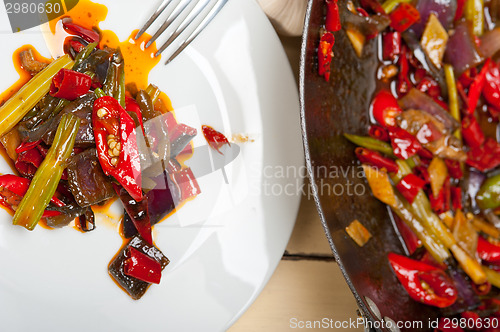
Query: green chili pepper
{"type": "Point", "coordinates": [488, 196]}
{"type": "Point", "coordinates": [371, 143]}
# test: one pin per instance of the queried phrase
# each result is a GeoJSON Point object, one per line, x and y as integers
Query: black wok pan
{"type": "Point", "coordinates": [329, 109]}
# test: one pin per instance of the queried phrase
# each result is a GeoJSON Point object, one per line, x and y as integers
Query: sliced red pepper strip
{"type": "Point", "coordinates": [411, 240]}
{"type": "Point", "coordinates": [482, 289]}
{"type": "Point", "coordinates": [138, 212]}
{"type": "Point", "coordinates": [391, 42]}
{"type": "Point", "coordinates": [477, 86]}
{"type": "Point", "coordinates": [109, 118]}
{"type": "Point", "coordinates": [76, 45]}
{"type": "Point", "coordinates": [89, 35]}
{"type": "Point", "coordinates": [332, 22]}
{"type": "Point", "coordinates": [409, 186]}
{"type": "Point", "coordinates": [379, 132]}
{"type": "Point", "coordinates": [430, 86]}
{"type": "Point", "coordinates": [142, 267]}
{"type": "Point", "coordinates": [454, 168]}
{"type": "Point", "coordinates": [423, 173]}
{"type": "Point", "coordinates": [488, 251]}
{"type": "Point", "coordinates": [325, 54]}
{"type": "Point", "coordinates": [70, 85]}
{"type": "Point", "coordinates": [28, 161]}
{"type": "Point", "coordinates": [25, 146]}
{"type": "Point", "coordinates": [439, 290]}
{"type": "Point", "coordinates": [460, 9]}
{"type": "Point", "coordinates": [374, 158]}
{"type": "Point", "coordinates": [186, 181]}
{"type": "Point", "coordinates": [132, 106]}
{"type": "Point", "coordinates": [403, 84]}
{"type": "Point", "coordinates": [385, 108]}
{"type": "Point", "coordinates": [215, 139]}
{"type": "Point", "coordinates": [404, 16]}
{"type": "Point", "coordinates": [456, 198]}
{"type": "Point", "coordinates": [403, 143]}
{"type": "Point", "coordinates": [485, 157]}
{"type": "Point", "coordinates": [472, 132]}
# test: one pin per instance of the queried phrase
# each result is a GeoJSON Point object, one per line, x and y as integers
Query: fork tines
{"type": "Point", "coordinates": [196, 15]}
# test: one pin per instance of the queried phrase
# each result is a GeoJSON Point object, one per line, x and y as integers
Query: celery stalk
{"type": "Point", "coordinates": [153, 92]}
{"type": "Point", "coordinates": [453, 97]}
{"type": "Point", "coordinates": [371, 143]}
{"type": "Point", "coordinates": [30, 94]}
{"type": "Point", "coordinates": [474, 12]}
{"type": "Point", "coordinates": [390, 5]}
{"type": "Point", "coordinates": [47, 177]}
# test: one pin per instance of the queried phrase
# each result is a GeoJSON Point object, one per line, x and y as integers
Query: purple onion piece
{"type": "Point", "coordinates": [416, 99]}
{"type": "Point", "coordinates": [444, 10]}
{"type": "Point", "coordinates": [490, 43]}
{"type": "Point", "coordinates": [467, 298]}
{"type": "Point", "coordinates": [461, 51]}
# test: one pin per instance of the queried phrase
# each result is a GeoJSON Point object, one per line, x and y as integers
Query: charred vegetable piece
{"type": "Point", "coordinates": [138, 213]}
{"type": "Point", "coordinates": [67, 214]}
{"type": "Point", "coordinates": [116, 142]}
{"type": "Point", "coordinates": [462, 52]}
{"type": "Point", "coordinates": [70, 85]}
{"type": "Point", "coordinates": [485, 157]}
{"type": "Point", "coordinates": [89, 35]}
{"type": "Point", "coordinates": [477, 86]}
{"type": "Point", "coordinates": [134, 287]}
{"type": "Point", "coordinates": [29, 63]}
{"type": "Point", "coordinates": [44, 184]}
{"type": "Point", "coordinates": [434, 40]}
{"type": "Point", "coordinates": [81, 108]}
{"type": "Point", "coordinates": [30, 94]}
{"type": "Point", "coordinates": [424, 283]}
{"type": "Point", "coordinates": [87, 182]}
{"type": "Point", "coordinates": [332, 22]}
{"type": "Point", "coordinates": [404, 144]}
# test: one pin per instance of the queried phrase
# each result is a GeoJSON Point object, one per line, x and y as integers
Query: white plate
{"type": "Point", "coordinates": [225, 244]}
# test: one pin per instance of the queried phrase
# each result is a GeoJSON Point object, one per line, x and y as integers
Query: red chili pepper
{"type": "Point", "coordinates": [385, 108]}
{"type": "Point", "coordinates": [460, 9]}
{"type": "Point", "coordinates": [425, 155]}
{"type": "Point", "coordinates": [472, 132]}
{"type": "Point", "coordinates": [485, 157]}
{"type": "Point", "coordinates": [379, 132]}
{"type": "Point", "coordinates": [437, 203]}
{"type": "Point", "coordinates": [428, 133]}
{"type": "Point", "coordinates": [374, 158]}
{"type": "Point", "coordinates": [467, 77]}
{"type": "Point", "coordinates": [477, 86]}
{"type": "Point", "coordinates": [70, 85]}
{"type": "Point", "coordinates": [28, 161]}
{"type": "Point", "coordinates": [76, 45]}
{"type": "Point", "coordinates": [142, 267]}
{"type": "Point", "coordinates": [456, 197]}
{"type": "Point", "coordinates": [89, 35]}
{"type": "Point", "coordinates": [403, 84]}
{"type": "Point", "coordinates": [429, 86]}
{"type": "Point", "coordinates": [410, 239]}
{"type": "Point", "coordinates": [138, 212]}
{"type": "Point", "coordinates": [391, 42]}
{"type": "Point", "coordinates": [362, 11]}
{"type": "Point", "coordinates": [403, 143]}
{"type": "Point", "coordinates": [132, 106]}
{"type": "Point", "coordinates": [332, 22]}
{"type": "Point", "coordinates": [409, 186]}
{"type": "Point", "coordinates": [325, 54]}
{"type": "Point", "coordinates": [482, 289]}
{"type": "Point", "coordinates": [109, 118]}
{"type": "Point", "coordinates": [13, 188]}
{"type": "Point", "coordinates": [404, 16]}
{"type": "Point", "coordinates": [454, 168]}
{"type": "Point", "coordinates": [187, 183]}
{"type": "Point", "coordinates": [215, 139]}
{"type": "Point", "coordinates": [491, 91]}
{"type": "Point", "coordinates": [463, 95]}
{"type": "Point", "coordinates": [488, 251]}
{"type": "Point", "coordinates": [439, 290]}
{"type": "Point", "coordinates": [25, 146]}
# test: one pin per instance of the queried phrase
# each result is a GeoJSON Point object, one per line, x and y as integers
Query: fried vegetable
{"type": "Point", "coordinates": [29, 63]}
{"type": "Point", "coordinates": [44, 184]}
{"type": "Point", "coordinates": [465, 233]}
{"type": "Point", "coordinates": [380, 185]}
{"type": "Point", "coordinates": [434, 40]}
{"type": "Point", "coordinates": [87, 181]}
{"type": "Point", "coordinates": [358, 233]}
{"type": "Point", "coordinates": [30, 94]}
{"type": "Point", "coordinates": [438, 172]}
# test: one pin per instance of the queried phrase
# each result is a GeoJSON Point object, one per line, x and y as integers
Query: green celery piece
{"type": "Point", "coordinates": [371, 143]}
{"type": "Point", "coordinates": [47, 177]}
{"type": "Point", "coordinates": [390, 5]}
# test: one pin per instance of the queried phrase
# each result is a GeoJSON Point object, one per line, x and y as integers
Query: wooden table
{"type": "Point", "coordinates": [308, 284]}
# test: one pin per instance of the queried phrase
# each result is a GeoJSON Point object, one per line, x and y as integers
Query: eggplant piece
{"type": "Point", "coordinates": [161, 201]}
{"type": "Point", "coordinates": [134, 287]}
{"type": "Point", "coordinates": [68, 214]}
{"type": "Point", "coordinates": [87, 181]}
{"type": "Point", "coordinates": [82, 108]}
{"type": "Point", "coordinates": [98, 63]}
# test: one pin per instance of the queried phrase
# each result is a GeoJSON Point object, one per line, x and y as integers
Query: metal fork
{"type": "Point", "coordinates": [196, 10]}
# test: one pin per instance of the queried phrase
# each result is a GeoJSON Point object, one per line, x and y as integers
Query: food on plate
{"type": "Point", "coordinates": [80, 135]}
{"type": "Point", "coordinates": [432, 154]}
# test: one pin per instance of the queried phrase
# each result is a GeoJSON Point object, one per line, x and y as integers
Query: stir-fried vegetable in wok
{"type": "Point", "coordinates": [433, 151]}
{"type": "Point", "coordinates": [78, 138]}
